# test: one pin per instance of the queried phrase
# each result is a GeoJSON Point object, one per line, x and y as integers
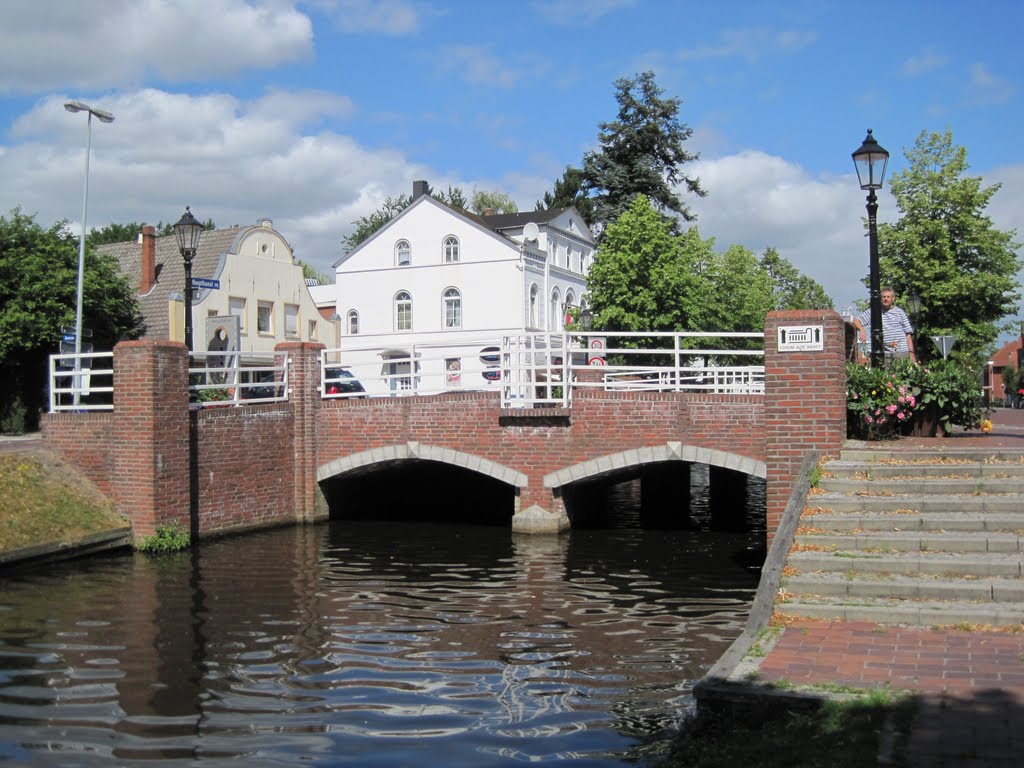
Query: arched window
{"type": "Point", "coordinates": [452, 308]}
{"type": "Point", "coordinates": [403, 311]}
{"type": "Point", "coordinates": [352, 322]}
{"type": "Point", "coordinates": [403, 253]}
{"type": "Point", "coordinates": [554, 317]}
{"type": "Point", "coordinates": [533, 305]}
{"type": "Point", "coordinates": [570, 301]}
{"type": "Point", "coordinates": [451, 249]}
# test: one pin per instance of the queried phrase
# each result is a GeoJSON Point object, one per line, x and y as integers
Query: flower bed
{"type": "Point", "coordinates": [886, 403]}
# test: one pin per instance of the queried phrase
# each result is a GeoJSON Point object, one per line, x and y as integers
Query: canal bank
{"type": "Point", "coordinates": [966, 678]}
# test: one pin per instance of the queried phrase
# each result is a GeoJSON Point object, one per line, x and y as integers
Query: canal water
{"type": "Point", "coordinates": [370, 644]}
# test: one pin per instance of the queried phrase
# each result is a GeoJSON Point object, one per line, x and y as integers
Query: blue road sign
{"type": "Point", "coordinates": [202, 282]}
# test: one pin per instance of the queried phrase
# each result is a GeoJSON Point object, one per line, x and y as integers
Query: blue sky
{"type": "Point", "coordinates": [312, 113]}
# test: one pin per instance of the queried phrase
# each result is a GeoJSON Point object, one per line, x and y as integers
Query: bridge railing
{"type": "Point", "coordinates": [545, 369]}
{"type": "Point", "coordinates": [425, 365]}
{"type": "Point", "coordinates": [234, 378]}
{"type": "Point", "coordinates": [87, 386]}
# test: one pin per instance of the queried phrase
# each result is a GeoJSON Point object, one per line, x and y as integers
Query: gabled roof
{"type": "Point", "coordinates": [170, 271]}
{"type": "Point", "coordinates": [481, 222]}
{"type": "Point", "coordinates": [510, 220]}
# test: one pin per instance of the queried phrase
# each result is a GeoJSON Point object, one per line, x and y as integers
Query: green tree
{"type": "Point", "coordinates": [790, 288]}
{"type": "Point", "coordinates": [946, 249]}
{"type": "Point", "coordinates": [365, 226]}
{"type": "Point", "coordinates": [38, 295]}
{"type": "Point", "coordinates": [122, 233]}
{"type": "Point", "coordinates": [499, 202]}
{"type": "Point", "coordinates": [569, 193]}
{"type": "Point", "coordinates": [641, 154]}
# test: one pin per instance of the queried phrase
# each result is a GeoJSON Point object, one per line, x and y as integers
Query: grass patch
{"type": "Point", "coordinates": [44, 500]}
{"type": "Point", "coordinates": [836, 735]}
{"type": "Point", "coordinates": [168, 538]}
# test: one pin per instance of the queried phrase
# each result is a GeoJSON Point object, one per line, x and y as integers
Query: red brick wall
{"type": "Point", "coordinates": [245, 476]}
{"type": "Point", "coordinates": [83, 440]}
{"type": "Point", "coordinates": [805, 403]}
{"type": "Point", "coordinates": [256, 465]}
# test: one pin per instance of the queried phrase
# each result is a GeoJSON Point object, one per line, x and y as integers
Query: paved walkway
{"type": "Point", "coordinates": [970, 682]}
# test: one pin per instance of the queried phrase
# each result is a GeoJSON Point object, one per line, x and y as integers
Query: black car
{"type": "Point", "coordinates": [340, 381]}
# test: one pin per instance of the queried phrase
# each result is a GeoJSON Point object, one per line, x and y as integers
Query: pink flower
{"type": "Point", "coordinates": [901, 416]}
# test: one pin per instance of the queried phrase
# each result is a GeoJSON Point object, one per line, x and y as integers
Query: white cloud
{"type": "Point", "coordinates": [112, 44]}
{"type": "Point", "coordinates": [397, 18]}
{"type": "Point", "coordinates": [924, 63]}
{"type": "Point", "coordinates": [986, 88]}
{"type": "Point", "coordinates": [572, 13]}
{"type": "Point", "coordinates": [230, 160]}
{"type": "Point", "coordinates": [757, 200]}
{"type": "Point", "coordinates": [479, 66]}
{"type": "Point", "coordinates": [751, 43]}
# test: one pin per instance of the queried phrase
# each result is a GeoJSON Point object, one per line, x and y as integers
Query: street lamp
{"type": "Point", "coordinates": [103, 117]}
{"type": "Point", "coordinates": [187, 231]}
{"type": "Point", "coordinates": [914, 305]}
{"type": "Point", "coordinates": [586, 319]}
{"type": "Point", "coordinates": [870, 161]}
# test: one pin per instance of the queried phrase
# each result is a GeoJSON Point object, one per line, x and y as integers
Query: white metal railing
{"type": "Point", "coordinates": [429, 365]}
{"type": "Point", "coordinates": [90, 388]}
{"type": "Point", "coordinates": [542, 369]}
{"type": "Point", "coordinates": [652, 362]}
{"type": "Point", "coordinates": [236, 378]}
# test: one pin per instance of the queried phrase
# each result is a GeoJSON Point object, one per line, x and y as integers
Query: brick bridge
{"type": "Point", "coordinates": [229, 469]}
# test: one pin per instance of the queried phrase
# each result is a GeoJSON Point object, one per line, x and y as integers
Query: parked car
{"type": "Point", "coordinates": [341, 381]}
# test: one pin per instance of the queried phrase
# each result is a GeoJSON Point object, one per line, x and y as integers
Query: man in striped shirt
{"type": "Point", "coordinates": [897, 335]}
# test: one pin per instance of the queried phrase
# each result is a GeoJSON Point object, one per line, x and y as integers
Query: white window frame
{"type": "Point", "coordinates": [532, 313]}
{"type": "Point", "coordinates": [269, 307]}
{"type": "Point", "coordinates": [403, 253]}
{"type": "Point", "coordinates": [451, 249]}
{"type": "Point", "coordinates": [403, 311]}
{"type": "Point", "coordinates": [313, 330]}
{"type": "Point", "coordinates": [451, 308]}
{"type": "Point", "coordinates": [291, 330]}
{"type": "Point", "coordinates": [352, 322]}
{"type": "Point", "coordinates": [554, 323]}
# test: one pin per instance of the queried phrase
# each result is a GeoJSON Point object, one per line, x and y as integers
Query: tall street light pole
{"type": "Point", "coordinates": [870, 161]}
{"type": "Point", "coordinates": [103, 117]}
{"type": "Point", "coordinates": [187, 231]}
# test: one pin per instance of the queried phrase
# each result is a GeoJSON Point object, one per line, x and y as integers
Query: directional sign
{"type": "Point", "coordinates": [202, 282]}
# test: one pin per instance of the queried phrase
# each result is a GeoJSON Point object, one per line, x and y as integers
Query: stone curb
{"type": "Point", "coordinates": [118, 538]}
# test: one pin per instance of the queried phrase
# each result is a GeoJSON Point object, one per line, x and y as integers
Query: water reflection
{"type": "Point", "coordinates": [367, 644]}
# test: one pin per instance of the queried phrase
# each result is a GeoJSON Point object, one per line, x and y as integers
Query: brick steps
{"type": "Point", "coordinates": [911, 537]}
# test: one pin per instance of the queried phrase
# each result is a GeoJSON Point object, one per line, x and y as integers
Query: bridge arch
{"type": "Point", "coordinates": [415, 450]}
{"type": "Point", "coordinates": [670, 451]}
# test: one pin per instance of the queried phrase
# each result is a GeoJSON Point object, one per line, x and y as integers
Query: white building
{"type": "Point", "coordinates": [258, 282]}
{"type": "Point", "coordinates": [426, 299]}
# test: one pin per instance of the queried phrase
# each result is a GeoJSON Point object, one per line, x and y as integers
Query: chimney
{"type": "Point", "coordinates": [489, 212]}
{"type": "Point", "coordinates": [419, 188]}
{"type": "Point", "coordinates": [148, 240]}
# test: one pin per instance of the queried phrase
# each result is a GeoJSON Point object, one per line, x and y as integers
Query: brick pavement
{"type": "Point", "coordinates": [969, 683]}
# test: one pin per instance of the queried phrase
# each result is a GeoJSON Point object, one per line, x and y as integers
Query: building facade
{"type": "Point", "coordinates": [426, 300]}
{"type": "Point", "coordinates": [259, 286]}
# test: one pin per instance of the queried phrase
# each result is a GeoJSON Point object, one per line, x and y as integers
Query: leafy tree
{"type": "Point", "coordinates": [569, 193]}
{"type": "Point", "coordinates": [790, 288]}
{"type": "Point", "coordinates": [38, 295]}
{"type": "Point", "coordinates": [945, 249]}
{"type": "Point", "coordinates": [641, 154]}
{"type": "Point", "coordinates": [499, 202]}
{"type": "Point", "coordinates": [310, 272]}
{"type": "Point", "coordinates": [122, 233]}
{"type": "Point", "coordinates": [365, 226]}
{"type": "Point", "coordinates": [645, 278]}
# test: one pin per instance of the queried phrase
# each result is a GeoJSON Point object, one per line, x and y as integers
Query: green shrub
{"type": "Point", "coordinates": [168, 538]}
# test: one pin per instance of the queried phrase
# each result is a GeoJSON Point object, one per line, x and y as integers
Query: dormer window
{"type": "Point", "coordinates": [403, 253]}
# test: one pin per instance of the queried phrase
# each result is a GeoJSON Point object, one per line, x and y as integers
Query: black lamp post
{"type": "Point", "coordinates": [188, 230]}
{"type": "Point", "coordinates": [914, 305]}
{"type": "Point", "coordinates": [870, 161]}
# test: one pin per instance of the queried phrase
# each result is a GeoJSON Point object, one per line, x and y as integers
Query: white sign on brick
{"type": "Point", "coordinates": [801, 338]}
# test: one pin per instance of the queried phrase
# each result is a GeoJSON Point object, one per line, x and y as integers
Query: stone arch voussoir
{"type": "Point", "coordinates": [672, 451]}
{"type": "Point", "coordinates": [413, 450]}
